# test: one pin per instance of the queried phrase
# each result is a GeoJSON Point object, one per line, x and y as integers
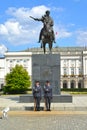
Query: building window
{"type": "Point", "coordinates": [80, 84]}
{"type": "Point", "coordinates": [25, 60]}
{"type": "Point", "coordinates": [65, 71]}
{"type": "Point", "coordinates": [1, 87]}
{"type": "Point", "coordinates": [72, 71]}
{"type": "Point", "coordinates": [65, 84]}
{"type": "Point", "coordinates": [72, 84]}
{"type": "Point", "coordinates": [80, 71]}
{"type": "Point", "coordinates": [18, 61]}
{"type": "Point", "coordinates": [10, 61]}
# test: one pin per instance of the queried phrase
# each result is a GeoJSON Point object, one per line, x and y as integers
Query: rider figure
{"type": "Point", "coordinates": [47, 22]}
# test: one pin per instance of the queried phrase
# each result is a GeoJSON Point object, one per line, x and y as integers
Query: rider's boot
{"type": "Point", "coordinates": [41, 46]}
{"type": "Point", "coordinates": [40, 36]}
{"type": "Point", "coordinates": [54, 41]}
{"type": "Point", "coordinates": [39, 41]}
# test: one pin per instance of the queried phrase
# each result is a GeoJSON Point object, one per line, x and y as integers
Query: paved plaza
{"type": "Point", "coordinates": [64, 116]}
{"type": "Point", "coordinates": [79, 103]}
{"type": "Point", "coordinates": [45, 122]}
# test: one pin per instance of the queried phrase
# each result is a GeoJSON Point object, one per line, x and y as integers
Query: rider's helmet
{"type": "Point", "coordinates": [47, 12]}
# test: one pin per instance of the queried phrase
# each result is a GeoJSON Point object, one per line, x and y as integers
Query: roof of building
{"type": "Point", "coordinates": [57, 49]}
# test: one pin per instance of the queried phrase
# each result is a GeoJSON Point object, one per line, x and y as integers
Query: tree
{"type": "Point", "coordinates": [17, 81]}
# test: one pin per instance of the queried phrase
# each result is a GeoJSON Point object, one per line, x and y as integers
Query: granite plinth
{"type": "Point", "coordinates": [46, 67]}
{"type": "Point", "coordinates": [56, 99]}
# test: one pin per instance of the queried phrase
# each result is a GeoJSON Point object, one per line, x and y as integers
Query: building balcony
{"type": "Point", "coordinates": [65, 75]}
{"type": "Point", "coordinates": [72, 75]}
{"type": "Point", "coordinates": [80, 75]}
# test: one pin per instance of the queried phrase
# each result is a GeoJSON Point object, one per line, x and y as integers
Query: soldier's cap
{"type": "Point", "coordinates": [37, 81]}
{"type": "Point", "coordinates": [47, 81]}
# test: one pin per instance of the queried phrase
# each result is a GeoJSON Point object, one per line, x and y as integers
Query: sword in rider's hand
{"type": "Point", "coordinates": [32, 17]}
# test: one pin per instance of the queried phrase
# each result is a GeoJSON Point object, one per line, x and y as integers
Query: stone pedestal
{"type": "Point", "coordinates": [56, 99]}
{"type": "Point", "coordinates": [46, 67]}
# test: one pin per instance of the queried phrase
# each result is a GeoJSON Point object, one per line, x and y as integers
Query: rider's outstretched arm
{"type": "Point", "coordinates": [38, 19]}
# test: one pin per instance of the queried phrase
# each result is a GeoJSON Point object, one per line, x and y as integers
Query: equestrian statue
{"type": "Point", "coordinates": [47, 33]}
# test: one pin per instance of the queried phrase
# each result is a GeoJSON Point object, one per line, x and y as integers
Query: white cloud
{"type": "Point", "coordinates": [3, 49]}
{"type": "Point", "coordinates": [82, 37]}
{"type": "Point", "coordinates": [3, 30]}
{"type": "Point", "coordinates": [13, 27]}
{"type": "Point", "coordinates": [23, 14]}
{"type": "Point", "coordinates": [20, 29]}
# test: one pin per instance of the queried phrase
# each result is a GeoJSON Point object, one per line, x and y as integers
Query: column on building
{"type": "Point", "coordinates": [77, 72]}
{"type": "Point", "coordinates": [69, 71]}
{"type": "Point", "coordinates": [69, 84]}
{"type": "Point", "coordinates": [76, 68]}
{"type": "Point", "coordinates": [61, 84]}
{"type": "Point", "coordinates": [76, 83]}
{"type": "Point", "coordinates": [84, 71]}
{"type": "Point", "coordinates": [85, 78]}
{"type": "Point", "coordinates": [84, 66]}
{"type": "Point", "coordinates": [85, 83]}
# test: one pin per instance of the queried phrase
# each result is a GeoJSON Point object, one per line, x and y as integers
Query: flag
{"type": "Point", "coordinates": [56, 33]}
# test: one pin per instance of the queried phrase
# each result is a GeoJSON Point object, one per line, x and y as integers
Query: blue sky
{"type": "Point", "coordinates": [19, 32]}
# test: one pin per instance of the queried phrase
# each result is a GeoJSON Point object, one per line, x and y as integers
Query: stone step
{"type": "Point", "coordinates": [44, 113]}
{"type": "Point", "coordinates": [31, 108]}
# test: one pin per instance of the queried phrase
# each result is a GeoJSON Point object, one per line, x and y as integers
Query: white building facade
{"type": "Point", "coordinates": [10, 60]}
{"type": "Point", "coordinates": [73, 65]}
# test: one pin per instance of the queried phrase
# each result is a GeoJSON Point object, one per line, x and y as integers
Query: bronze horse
{"type": "Point", "coordinates": [46, 39]}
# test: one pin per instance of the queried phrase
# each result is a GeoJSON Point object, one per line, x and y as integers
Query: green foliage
{"type": "Point", "coordinates": [75, 91]}
{"type": "Point", "coordinates": [17, 81]}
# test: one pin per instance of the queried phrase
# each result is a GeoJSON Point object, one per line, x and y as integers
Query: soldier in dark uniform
{"type": "Point", "coordinates": [37, 96]}
{"type": "Point", "coordinates": [48, 95]}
